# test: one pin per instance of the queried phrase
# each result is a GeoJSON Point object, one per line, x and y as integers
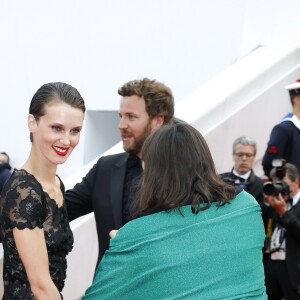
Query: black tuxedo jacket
{"type": "Point", "coordinates": [291, 221]}
{"type": "Point", "coordinates": [100, 191]}
{"type": "Point", "coordinates": [254, 187]}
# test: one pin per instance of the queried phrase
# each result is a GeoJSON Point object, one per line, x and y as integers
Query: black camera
{"type": "Point", "coordinates": [274, 188]}
{"type": "Point", "coordinates": [278, 165]}
{"type": "Point", "coordinates": [279, 186]}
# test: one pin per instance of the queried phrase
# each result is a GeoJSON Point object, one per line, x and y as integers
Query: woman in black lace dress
{"type": "Point", "coordinates": [34, 225]}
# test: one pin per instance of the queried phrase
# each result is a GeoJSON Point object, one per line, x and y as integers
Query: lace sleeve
{"type": "Point", "coordinates": [23, 204]}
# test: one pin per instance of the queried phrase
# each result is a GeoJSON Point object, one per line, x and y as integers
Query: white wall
{"type": "Point", "coordinates": [101, 133]}
{"type": "Point", "coordinates": [272, 23]}
{"type": "Point", "coordinates": [98, 45]}
{"type": "Point", "coordinates": [252, 101]}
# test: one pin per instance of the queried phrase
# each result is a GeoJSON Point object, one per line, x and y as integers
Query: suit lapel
{"type": "Point", "coordinates": [116, 189]}
{"type": "Point", "coordinates": [296, 207]}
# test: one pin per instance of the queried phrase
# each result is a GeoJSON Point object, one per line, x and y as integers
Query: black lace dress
{"type": "Point", "coordinates": [24, 204]}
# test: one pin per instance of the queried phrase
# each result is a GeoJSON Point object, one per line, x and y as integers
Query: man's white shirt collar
{"type": "Point", "coordinates": [245, 176]}
{"type": "Point", "coordinates": [296, 198]}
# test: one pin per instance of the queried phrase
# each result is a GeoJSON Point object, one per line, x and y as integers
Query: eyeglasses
{"type": "Point", "coordinates": [240, 155]}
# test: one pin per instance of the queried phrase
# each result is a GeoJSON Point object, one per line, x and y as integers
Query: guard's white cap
{"type": "Point", "coordinates": [294, 88]}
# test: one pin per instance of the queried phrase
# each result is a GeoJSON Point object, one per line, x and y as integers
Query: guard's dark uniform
{"type": "Point", "coordinates": [284, 143]}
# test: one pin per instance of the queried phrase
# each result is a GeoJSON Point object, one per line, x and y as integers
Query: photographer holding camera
{"type": "Point", "coordinates": [281, 214]}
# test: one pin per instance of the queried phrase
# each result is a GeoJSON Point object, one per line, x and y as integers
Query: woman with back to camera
{"type": "Point", "coordinates": [35, 229]}
{"type": "Point", "coordinates": [196, 237]}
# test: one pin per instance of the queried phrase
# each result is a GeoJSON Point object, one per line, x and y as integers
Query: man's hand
{"type": "Point", "coordinates": [113, 233]}
{"type": "Point", "coordinates": [278, 203]}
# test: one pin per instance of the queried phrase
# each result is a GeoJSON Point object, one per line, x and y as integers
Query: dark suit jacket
{"type": "Point", "coordinates": [255, 185]}
{"type": "Point", "coordinates": [100, 191]}
{"type": "Point", "coordinates": [291, 221]}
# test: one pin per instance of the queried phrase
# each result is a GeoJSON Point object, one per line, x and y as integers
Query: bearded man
{"type": "Point", "coordinates": [109, 188]}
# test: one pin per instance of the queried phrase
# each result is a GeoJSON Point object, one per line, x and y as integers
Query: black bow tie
{"type": "Point", "coordinates": [241, 179]}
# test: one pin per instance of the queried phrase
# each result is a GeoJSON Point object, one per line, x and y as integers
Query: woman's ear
{"type": "Point", "coordinates": [32, 124]}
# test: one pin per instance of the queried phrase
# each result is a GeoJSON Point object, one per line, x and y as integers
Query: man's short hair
{"type": "Point", "coordinates": [291, 171]}
{"type": "Point", "coordinates": [4, 153]}
{"type": "Point", "coordinates": [246, 141]}
{"type": "Point", "coordinates": [157, 96]}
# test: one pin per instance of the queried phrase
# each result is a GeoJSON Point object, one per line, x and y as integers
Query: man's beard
{"type": "Point", "coordinates": [136, 147]}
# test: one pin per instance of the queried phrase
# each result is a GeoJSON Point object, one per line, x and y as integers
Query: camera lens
{"type": "Point", "coordinates": [269, 189]}
{"type": "Point", "coordinates": [273, 189]}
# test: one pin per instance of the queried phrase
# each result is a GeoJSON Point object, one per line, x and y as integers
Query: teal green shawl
{"type": "Point", "coordinates": [216, 254]}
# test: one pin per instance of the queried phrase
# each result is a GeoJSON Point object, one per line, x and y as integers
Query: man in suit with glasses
{"type": "Point", "coordinates": [242, 174]}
